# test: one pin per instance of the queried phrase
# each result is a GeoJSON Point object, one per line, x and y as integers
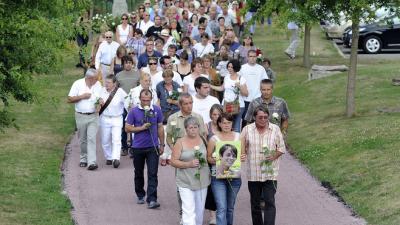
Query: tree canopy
{"type": "Point", "coordinates": [32, 37]}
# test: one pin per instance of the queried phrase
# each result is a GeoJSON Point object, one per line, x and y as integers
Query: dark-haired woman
{"type": "Point", "coordinates": [124, 30]}
{"type": "Point", "coordinates": [224, 190]}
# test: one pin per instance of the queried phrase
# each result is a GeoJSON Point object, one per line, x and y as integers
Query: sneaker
{"type": "Point", "coordinates": [116, 163]}
{"type": "Point", "coordinates": [92, 167]}
{"type": "Point", "coordinates": [140, 200]}
{"type": "Point", "coordinates": [124, 152]}
{"type": "Point", "coordinates": [108, 162]}
{"type": "Point", "coordinates": [153, 205]}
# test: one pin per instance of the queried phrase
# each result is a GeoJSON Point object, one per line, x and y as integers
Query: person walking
{"type": "Point", "coordinates": [192, 173]}
{"type": "Point", "coordinates": [146, 121]}
{"type": "Point", "coordinates": [294, 40]}
{"type": "Point", "coordinates": [262, 145]}
{"type": "Point", "coordinates": [84, 94]}
{"type": "Point", "coordinates": [105, 54]}
{"type": "Point", "coordinates": [203, 101]}
{"type": "Point", "coordinates": [111, 114]}
{"type": "Point", "coordinates": [224, 190]}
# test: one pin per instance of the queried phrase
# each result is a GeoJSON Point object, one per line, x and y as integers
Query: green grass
{"type": "Point", "coordinates": [359, 156]}
{"type": "Point", "coordinates": [30, 158]}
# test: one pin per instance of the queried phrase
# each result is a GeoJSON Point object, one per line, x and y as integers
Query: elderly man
{"type": "Point", "coordinates": [146, 122]}
{"type": "Point", "coordinates": [107, 51]}
{"type": "Point", "coordinates": [145, 24]}
{"type": "Point", "coordinates": [85, 94]}
{"type": "Point", "coordinates": [262, 146]}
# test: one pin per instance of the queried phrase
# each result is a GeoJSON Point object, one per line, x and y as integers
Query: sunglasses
{"type": "Point", "coordinates": [108, 37]}
{"type": "Point", "coordinates": [229, 29]}
{"type": "Point", "coordinates": [152, 64]}
{"type": "Point", "coordinates": [131, 53]}
{"type": "Point", "coordinates": [200, 28]}
{"type": "Point", "coordinates": [124, 18]}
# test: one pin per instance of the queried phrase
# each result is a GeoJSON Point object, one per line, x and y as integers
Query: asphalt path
{"type": "Point", "coordinates": [106, 196]}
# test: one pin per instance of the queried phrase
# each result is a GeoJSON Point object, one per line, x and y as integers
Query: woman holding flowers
{"type": "Point", "coordinates": [224, 190]}
{"type": "Point", "coordinates": [234, 89]}
{"type": "Point", "coordinates": [192, 174]}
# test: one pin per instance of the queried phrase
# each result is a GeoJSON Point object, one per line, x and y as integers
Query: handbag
{"type": "Point", "coordinates": [233, 107]}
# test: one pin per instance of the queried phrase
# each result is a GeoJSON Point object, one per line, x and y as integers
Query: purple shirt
{"type": "Point", "coordinates": [137, 118]}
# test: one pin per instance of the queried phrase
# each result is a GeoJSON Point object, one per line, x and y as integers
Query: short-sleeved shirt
{"type": "Point", "coordinates": [79, 87]}
{"type": "Point", "coordinates": [276, 105]}
{"type": "Point", "coordinates": [116, 106]}
{"type": "Point", "coordinates": [189, 82]}
{"type": "Point", "coordinates": [163, 95]}
{"type": "Point", "coordinates": [178, 118]}
{"type": "Point", "coordinates": [203, 106]}
{"type": "Point", "coordinates": [137, 117]}
{"type": "Point", "coordinates": [144, 58]}
{"type": "Point", "coordinates": [253, 74]}
{"type": "Point", "coordinates": [128, 79]}
{"type": "Point", "coordinates": [254, 144]}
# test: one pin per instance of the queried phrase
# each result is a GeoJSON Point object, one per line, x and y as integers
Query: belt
{"type": "Point", "coordinates": [105, 64]}
{"type": "Point", "coordinates": [111, 116]}
{"type": "Point", "coordinates": [88, 113]}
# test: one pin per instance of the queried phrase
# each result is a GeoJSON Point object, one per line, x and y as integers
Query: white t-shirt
{"type": "Point", "coordinates": [189, 82]}
{"type": "Point", "coordinates": [229, 94]}
{"type": "Point", "coordinates": [123, 33]}
{"type": "Point", "coordinates": [132, 99]}
{"type": "Point", "coordinates": [203, 50]}
{"type": "Point", "coordinates": [157, 78]}
{"type": "Point", "coordinates": [203, 106]}
{"type": "Point", "coordinates": [253, 74]}
{"type": "Point", "coordinates": [144, 26]}
{"type": "Point", "coordinates": [116, 106]}
{"type": "Point", "coordinates": [79, 87]}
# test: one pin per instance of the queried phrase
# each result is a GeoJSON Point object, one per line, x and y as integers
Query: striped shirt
{"type": "Point", "coordinates": [255, 143]}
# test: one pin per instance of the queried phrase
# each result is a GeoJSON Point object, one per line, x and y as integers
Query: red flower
{"type": "Point", "coordinates": [258, 52]}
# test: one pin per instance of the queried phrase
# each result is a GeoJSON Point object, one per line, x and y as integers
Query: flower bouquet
{"type": "Point", "coordinates": [202, 161]}
{"type": "Point", "coordinates": [266, 164]}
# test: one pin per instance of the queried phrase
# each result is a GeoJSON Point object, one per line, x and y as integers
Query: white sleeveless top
{"type": "Point", "coordinates": [123, 34]}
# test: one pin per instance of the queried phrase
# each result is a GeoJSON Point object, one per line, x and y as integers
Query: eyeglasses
{"type": "Point", "coordinates": [131, 53]}
{"type": "Point", "coordinates": [229, 29]}
{"type": "Point", "coordinates": [152, 64]}
{"type": "Point", "coordinates": [201, 28]}
{"type": "Point", "coordinates": [141, 8]}
{"type": "Point", "coordinates": [124, 18]}
{"type": "Point", "coordinates": [108, 37]}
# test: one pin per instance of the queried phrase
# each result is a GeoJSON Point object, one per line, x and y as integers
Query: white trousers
{"type": "Point", "coordinates": [193, 205]}
{"type": "Point", "coordinates": [105, 70]}
{"type": "Point", "coordinates": [294, 42]}
{"type": "Point", "coordinates": [111, 128]}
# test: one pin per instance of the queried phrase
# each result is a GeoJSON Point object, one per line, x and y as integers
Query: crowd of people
{"type": "Point", "coordinates": [178, 84]}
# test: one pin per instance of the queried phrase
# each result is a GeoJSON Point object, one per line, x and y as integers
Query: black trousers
{"type": "Point", "coordinates": [150, 157]}
{"type": "Point", "coordinates": [267, 189]}
{"type": "Point", "coordinates": [124, 135]}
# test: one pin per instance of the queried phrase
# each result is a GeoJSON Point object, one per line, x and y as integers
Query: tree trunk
{"type": "Point", "coordinates": [351, 79]}
{"type": "Point", "coordinates": [307, 46]}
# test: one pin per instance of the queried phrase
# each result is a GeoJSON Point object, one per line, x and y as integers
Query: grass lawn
{"type": "Point", "coordinates": [30, 159]}
{"type": "Point", "coordinates": [360, 156]}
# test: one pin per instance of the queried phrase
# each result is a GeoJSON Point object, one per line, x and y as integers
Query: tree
{"type": "Point", "coordinates": [356, 10]}
{"type": "Point", "coordinates": [32, 37]}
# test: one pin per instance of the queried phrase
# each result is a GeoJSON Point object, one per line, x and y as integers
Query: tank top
{"type": "Point", "coordinates": [123, 34]}
{"type": "Point", "coordinates": [185, 178]}
{"type": "Point", "coordinates": [217, 139]}
{"type": "Point", "coordinates": [183, 75]}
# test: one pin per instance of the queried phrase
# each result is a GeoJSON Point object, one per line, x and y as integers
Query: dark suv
{"type": "Point", "coordinates": [375, 36]}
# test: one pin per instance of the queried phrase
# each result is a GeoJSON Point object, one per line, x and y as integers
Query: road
{"type": "Point", "coordinates": [106, 196]}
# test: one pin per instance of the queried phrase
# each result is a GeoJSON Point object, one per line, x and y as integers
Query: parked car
{"type": "Point", "coordinates": [383, 34]}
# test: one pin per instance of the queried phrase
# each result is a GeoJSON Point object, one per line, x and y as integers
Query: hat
{"type": "Point", "coordinates": [165, 32]}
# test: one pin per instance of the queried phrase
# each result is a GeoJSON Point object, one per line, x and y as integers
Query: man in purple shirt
{"type": "Point", "coordinates": [146, 121]}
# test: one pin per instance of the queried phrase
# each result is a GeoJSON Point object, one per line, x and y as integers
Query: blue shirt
{"type": "Point", "coordinates": [137, 118]}
{"type": "Point", "coordinates": [144, 58]}
{"type": "Point", "coordinates": [163, 95]}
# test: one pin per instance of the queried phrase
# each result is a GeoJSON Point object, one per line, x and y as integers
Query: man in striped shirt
{"type": "Point", "coordinates": [262, 145]}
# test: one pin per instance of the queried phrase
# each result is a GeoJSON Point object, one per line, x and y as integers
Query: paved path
{"type": "Point", "coordinates": [106, 196]}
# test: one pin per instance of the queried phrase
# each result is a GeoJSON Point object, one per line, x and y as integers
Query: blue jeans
{"type": "Point", "coordinates": [237, 119]}
{"type": "Point", "coordinates": [225, 192]}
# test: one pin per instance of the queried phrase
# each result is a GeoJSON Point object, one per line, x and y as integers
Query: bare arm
{"type": "Point", "coordinates": [285, 126]}
{"type": "Point", "coordinates": [160, 130]}
{"type": "Point", "coordinates": [243, 90]}
{"type": "Point", "coordinates": [185, 88]}
{"type": "Point", "coordinates": [117, 36]}
{"type": "Point", "coordinates": [176, 154]}
{"type": "Point", "coordinates": [243, 155]}
{"type": "Point", "coordinates": [210, 151]}
{"type": "Point", "coordinates": [74, 99]}
{"type": "Point", "coordinates": [217, 88]}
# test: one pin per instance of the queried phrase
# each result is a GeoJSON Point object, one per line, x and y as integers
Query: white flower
{"type": "Point", "coordinates": [113, 23]}
{"type": "Point", "coordinates": [214, 155]}
{"type": "Point", "coordinates": [146, 108]}
{"type": "Point", "coordinates": [237, 51]}
{"type": "Point", "coordinates": [179, 90]}
{"type": "Point", "coordinates": [173, 123]}
{"type": "Point", "coordinates": [275, 115]}
{"type": "Point", "coordinates": [196, 148]}
{"type": "Point", "coordinates": [265, 145]}
{"type": "Point", "coordinates": [217, 72]}
{"type": "Point", "coordinates": [97, 15]}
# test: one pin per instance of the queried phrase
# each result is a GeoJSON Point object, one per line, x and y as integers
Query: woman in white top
{"type": "Point", "coordinates": [124, 30]}
{"type": "Point", "coordinates": [133, 100]}
{"type": "Point", "coordinates": [204, 47]}
{"type": "Point", "coordinates": [111, 120]}
{"type": "Point", "coordinates": [234, 87]}
{"type": "Point", "coordinates": [188, 81]}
